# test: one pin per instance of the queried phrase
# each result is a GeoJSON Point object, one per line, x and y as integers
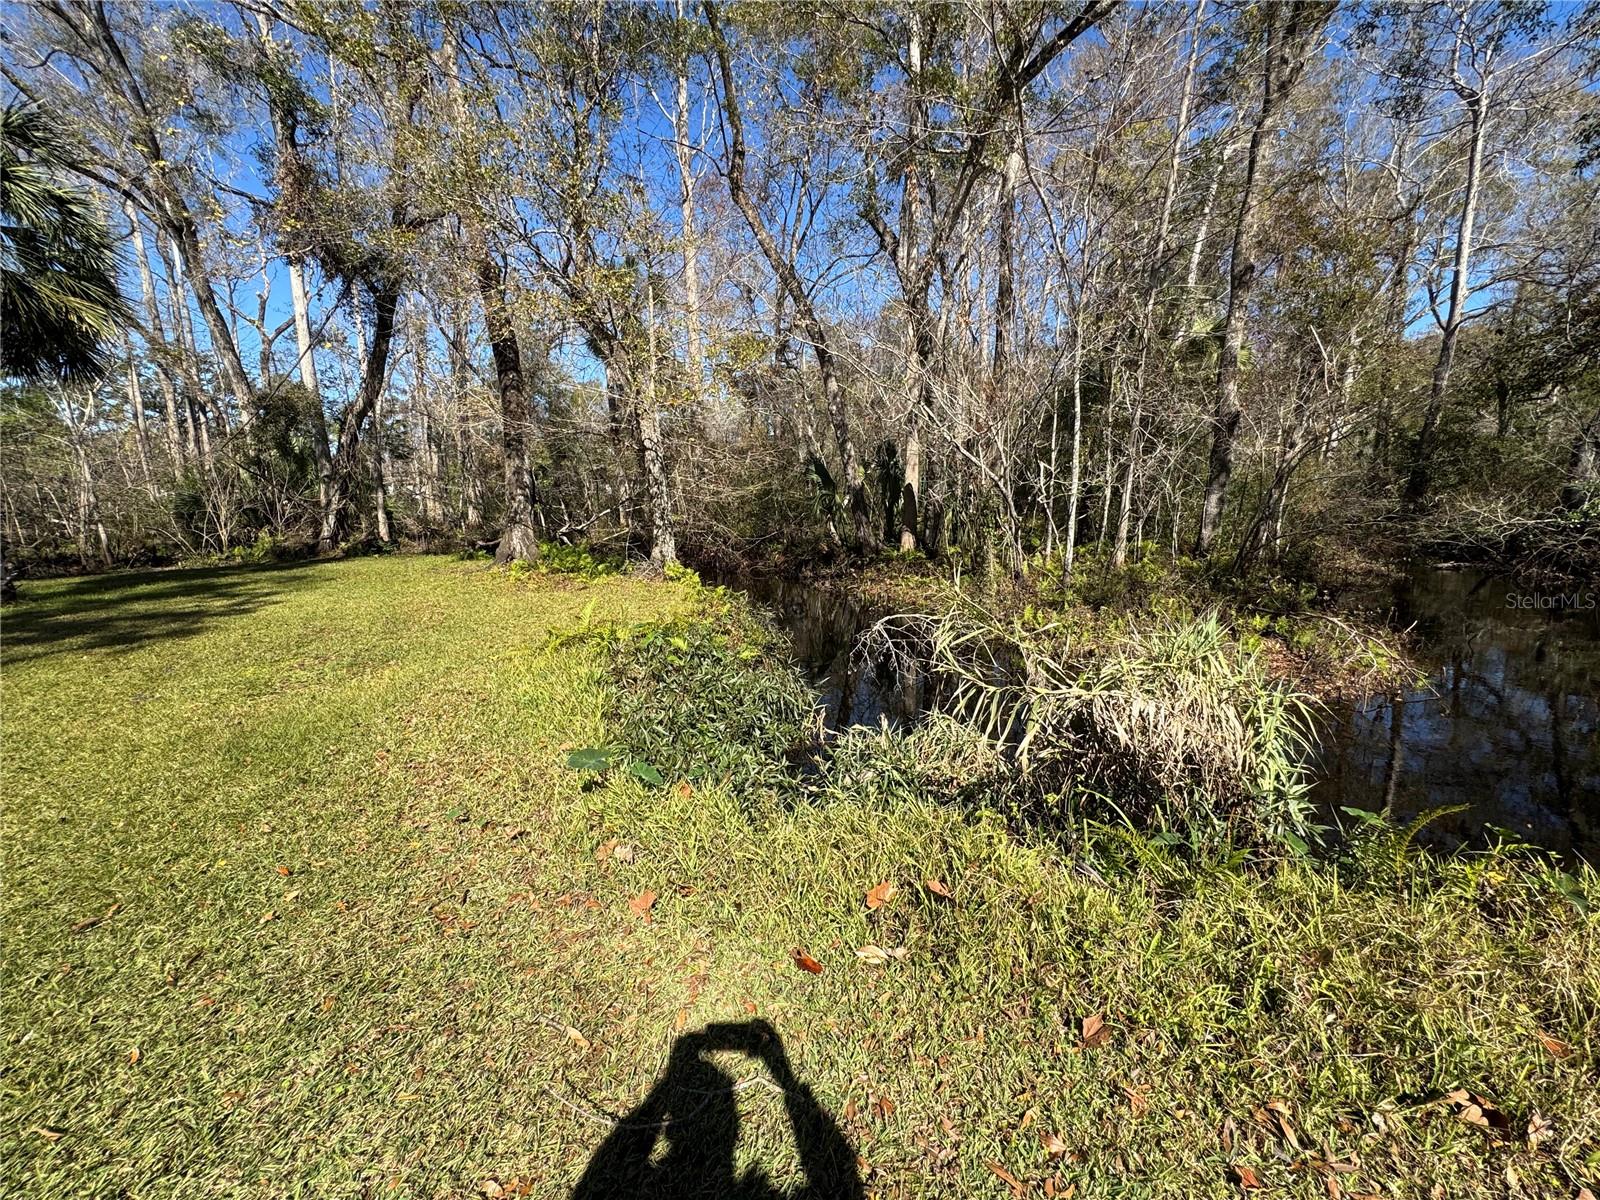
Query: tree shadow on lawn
{"type": "Point", "coordinates": [125, 610]}
{"type": "Point", "coordinates": [694, 1108]}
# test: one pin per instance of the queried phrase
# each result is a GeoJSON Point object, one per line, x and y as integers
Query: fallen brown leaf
{"type": "Point", "coordinates": [577, 1039]}
{"type": "Point", "coordinates": [49, 1135]}
{"type": "Point", "coordinates": [937, 888]}
{"type": "Point", "coordinates": [1015, 1184]}
{"type": "Point", "coordinates": [1476, 1110]}
{"type": "Point", "coordinates": [641, 904]}
{"type": "Point", "coordinates": [1276, 1114]}
{"type": "Point", "coordinates": [884, 1107]}
{"type": "Point", "coordinates": [603, 851]}
{"type": "Point", "coordinates": [1095, 1031]}
{"type": "Point", "coordinates": [1138, 1101]}
{"type": "Point", "coordinates": [879, 896]}
{"type": "Point", "coordinates": [683, 789]}
{"type": "Point", "coordinates": [1053, 1145]}
{"type": "Point", "coordinates": [1244, 1176]}
{"type": "Point", "coordinates": [282, 870]}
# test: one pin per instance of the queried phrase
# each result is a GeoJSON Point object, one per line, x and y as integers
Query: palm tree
{"type": "Point", "coordinates": [58, 271]}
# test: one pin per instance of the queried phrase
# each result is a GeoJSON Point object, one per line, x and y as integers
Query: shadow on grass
{"type": "Point", "coordinates": [693, 1108]}
{"type": "Point", "coordinates": [124, 611]}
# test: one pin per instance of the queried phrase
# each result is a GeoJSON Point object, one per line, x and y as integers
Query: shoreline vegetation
{"type": "Point", "coordinates": [239, 886]}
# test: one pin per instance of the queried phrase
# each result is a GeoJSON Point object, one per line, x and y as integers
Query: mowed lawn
{"type": "Point", "coordinates": [301, 899]}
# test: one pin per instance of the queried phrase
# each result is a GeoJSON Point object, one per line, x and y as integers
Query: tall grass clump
{"type": "Point", "coordinates": [1171, 723]}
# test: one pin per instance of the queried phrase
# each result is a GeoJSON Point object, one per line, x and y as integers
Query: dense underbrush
{"type": "Point", "coordinates": [1170, 726]}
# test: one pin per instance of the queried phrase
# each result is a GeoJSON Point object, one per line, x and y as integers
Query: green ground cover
{"type": "Point", "coordinates": [302, 899]}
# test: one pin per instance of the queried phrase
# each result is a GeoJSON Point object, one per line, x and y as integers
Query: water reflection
{"type": "Point", "coordinates": [1508, 722]}
{"type": "Point", "coordinates": [823, 622]}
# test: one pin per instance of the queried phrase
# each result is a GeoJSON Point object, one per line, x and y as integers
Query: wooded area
{"type": "Point", "coordinates": [731, 281]}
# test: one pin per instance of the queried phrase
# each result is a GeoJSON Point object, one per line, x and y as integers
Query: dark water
{"type": "Point", "coordinates": [824, 622]}
{"type": "Point", "coordinates": [1507, 721]}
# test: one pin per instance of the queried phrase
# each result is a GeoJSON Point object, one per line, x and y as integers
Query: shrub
{"type": "Point", "coordinates": [557, 558]}
{"type": "Point", "coordinates": [709, 699]}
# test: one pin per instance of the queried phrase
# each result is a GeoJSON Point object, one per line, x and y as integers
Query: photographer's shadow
{"type": "Point", "coordinates": [693, 1110]}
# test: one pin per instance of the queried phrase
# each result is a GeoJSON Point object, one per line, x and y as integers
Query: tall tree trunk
{"type": "Point", "coordinates": [1075, 470]}
{"type": "Point", "coordinates": [141, 435]}
{"type": "Point", "coordinates": [471, 508]}
{"type": "Point", "coordinates": [423, 456]}
{"type": "Point", "coordinates": [1399, 294]}
{"type": "Point", "coordinates": [380, 474]}
{"type": "Point", "coordinates": [694, 356]}
{"type": "Point", "coordinates": [519, 540]}
{"type": "Point", "coordinates": [663, 546]}
{"type": "Point", "coordinates": [94, 548]}
{"type": "Point", "coordinates": [188, 256]}
{"type": "Point", "coordinates": [336, 515]}
{"type": "Point", "coordinates": [205, 406]}
{"type": "Point", "coordinates": [919, 379]}
{"type": "Point", "coordinates": [155, 336]}
{"type": "Point", "coordinates": [1197, 246]}
{"type": "Point", "coordinates": [306, 368]}
{"type": "Point", "coordinates": [188, 359]}
{"type": "Point", "coordinates": [1285, 57]}
{"type": "Point", "coordinates": [1583, 468]}
{"type": "Point", "coordinates": [1455, 314]}
{"type": "Point", "coordinates": [166, 205]}
{"type": "Point", "coordinates": [918, 408]}
{"type": "Point", "coordinates": [1005, 317]}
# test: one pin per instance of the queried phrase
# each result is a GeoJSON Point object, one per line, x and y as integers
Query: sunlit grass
{"type": "Point", "coordinates": [360, 916]}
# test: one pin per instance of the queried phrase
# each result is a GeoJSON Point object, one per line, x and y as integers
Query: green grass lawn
{"type": "Point", "coordinates": [301, 900]}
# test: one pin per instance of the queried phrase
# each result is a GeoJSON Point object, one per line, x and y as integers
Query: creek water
{"type": "Point", "coordinates": [1505, 720]}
